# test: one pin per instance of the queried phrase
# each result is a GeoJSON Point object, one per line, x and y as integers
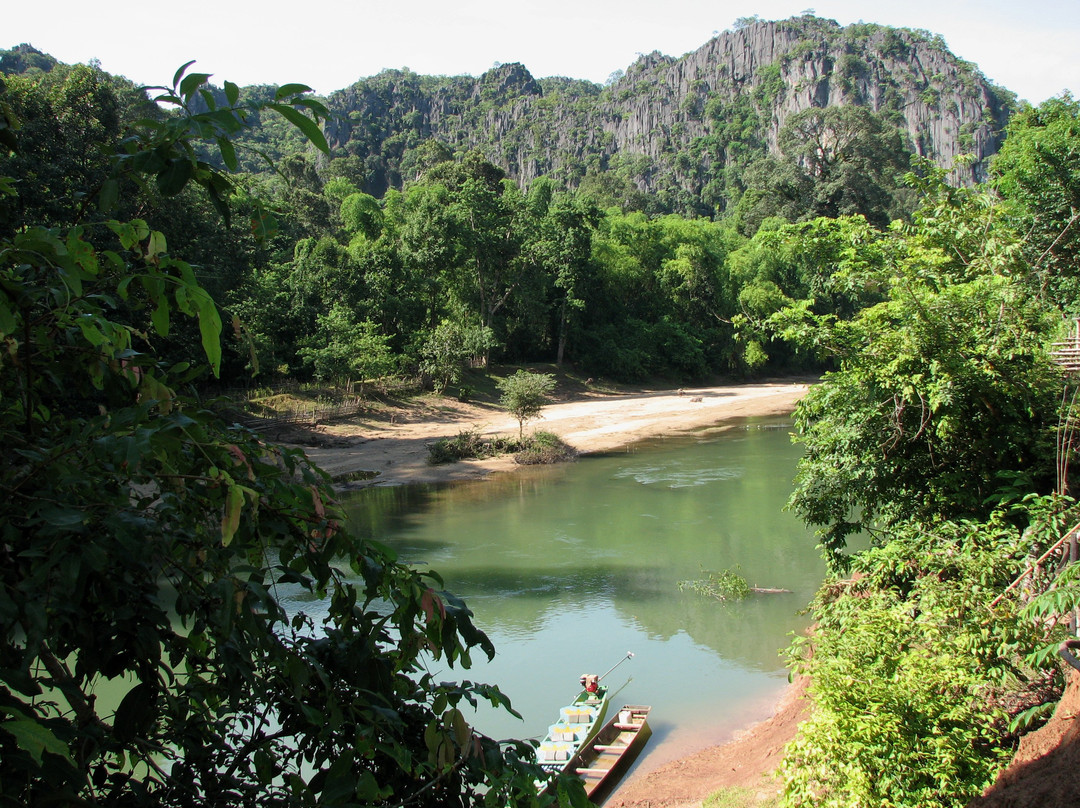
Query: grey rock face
{"type": "Point", "coordinates": [680, 120]}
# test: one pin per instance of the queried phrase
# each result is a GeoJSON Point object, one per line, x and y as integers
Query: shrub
{"type": "Point", "coordinates": [723, 585]}
{"type": "Point", "coordinates": [542, 448]}
{"type": "Point", "coordinates": [524, 395]}
{"type": "Point", "coordinates": [467, 443]}
{"type": "Point", "coordinates": [910, 665]}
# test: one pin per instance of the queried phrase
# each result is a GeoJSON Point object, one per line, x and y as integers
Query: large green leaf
{"type": "Point", "coordinates": [35, 739]}
{"type": "Point", "coordinates": [232, 93]}
{"type": "Point", "coordinates": [286, 90]}
{"type": "Point", "coordinates": [230, 518]}
{"type": "Point", "coordinates": [305, 124]}
{"type": "Point", "coordinates": [228, 153]}
{"type": "Point", "coordinates": [192, 82]}
{"type": "Point", "coordinates": [134, 712]}
{"type": "Point", "coordinates": [181, 71]}
{"type": "Point", "coordinates": [175, 175]}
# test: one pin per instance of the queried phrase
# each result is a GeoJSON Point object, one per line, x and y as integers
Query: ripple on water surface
{"type": "Point", "coordinates": [676, 475]}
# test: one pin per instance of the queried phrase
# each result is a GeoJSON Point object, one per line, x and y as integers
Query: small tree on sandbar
{"type": "Point", "coordinates": [524, 394]}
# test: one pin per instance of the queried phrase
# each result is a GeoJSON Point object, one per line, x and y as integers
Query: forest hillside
{"type": "Point", "coordinates": [680, 130]}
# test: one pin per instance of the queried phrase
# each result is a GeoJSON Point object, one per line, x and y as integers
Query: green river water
{"type": "Point", "coordinates": [567, 568]}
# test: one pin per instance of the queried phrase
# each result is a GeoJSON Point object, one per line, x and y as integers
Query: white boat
{"type": "Point", "coordinates": [578, 722]}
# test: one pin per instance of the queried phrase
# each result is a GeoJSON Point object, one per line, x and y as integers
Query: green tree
{"type": "Point", "coordinates": [361, 215]}
{"type": "Point", "coordinates": [1038, 172]}
{"type": "Point", "coordinates": [310, 210]}
{"type": "Point", "coordinates": [944, 396]}
{"type": "Point", "coordinates": [449, 347]}
{"type": "Point", "coordinates": [431, 247]}
{"type": "Point", "coordinates": [483, 206]}
{"type": "Point", "coordinates": [934, 435]}
{"type": "Point", "coordinates": [912, 663]}
{"type": "Point", "coordinates": [345, 350]}
{"type": "Point", "coordinates": [524, 394]}
{"type": "Point", "coordinates": [832, 268]}
{"type": "Point", "coordinates": [563, 247]}
{"type": "Point", "coordinates": [70, 120]}
{"type": "Point", "coordinates": [416, 162]}
{"type": "Point", "coordinates": [943, 403]}
{"type": "Point", "coordinates": [660, 299]}
{"type": "Point", "coordinates": [774, 188]}
{"type": "Point", "coordinates": [338, 188]}
{"type": "Point", "coordinates": [853, 158]}
{"type": "Point", "coordinates": [693, 275]}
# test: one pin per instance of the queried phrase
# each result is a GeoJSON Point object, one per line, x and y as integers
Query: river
{"type": "Point", "coordinates": [567, 568]}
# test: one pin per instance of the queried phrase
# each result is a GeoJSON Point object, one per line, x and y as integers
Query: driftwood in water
{"type": "Point", "coordinates": [762, 590]}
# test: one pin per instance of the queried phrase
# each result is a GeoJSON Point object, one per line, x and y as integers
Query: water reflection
{"type": "Point", "coordinates": [568, 567]}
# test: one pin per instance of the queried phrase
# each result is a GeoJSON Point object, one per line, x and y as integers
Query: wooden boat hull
{"type": "Point", "coordinates": [604, 759]}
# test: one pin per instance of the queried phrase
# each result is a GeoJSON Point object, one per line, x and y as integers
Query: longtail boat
{"type": "Point", "coordinates": [577, 723]}
{"type": "Point", "coordinates": [603, 760]}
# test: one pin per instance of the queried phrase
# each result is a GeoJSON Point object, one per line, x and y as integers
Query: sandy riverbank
{"type": "Point", "coordinates": [393, 444]}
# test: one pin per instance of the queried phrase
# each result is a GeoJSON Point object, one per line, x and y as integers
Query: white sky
{"type": "Point", "coordinates": [1027, 47]}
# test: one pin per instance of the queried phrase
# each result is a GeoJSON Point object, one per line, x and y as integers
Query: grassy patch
{"type": "Point", "coordinates": [292, 399]}
{"type": "Point", "coordinates": [468, 444]}
{"type": "Point", "coordinates": [740, 797]}
{"type": "Point", "coordinates": [764, 795]}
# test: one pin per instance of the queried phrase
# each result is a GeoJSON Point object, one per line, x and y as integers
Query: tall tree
{"type": "Point", "coordinates": [1038, 171]}
{"type": "Point", "coordinates": [852, 157]}
{"type": "Point", "coordinates": [563, 247]}
{"type": "Point", "coordinates": [69, 119]}
{"type": "Point", "coordinates": [431, 247]}
{"type": "Point", "coordinates": [344, 350]}
{"type": "Point", "coordinates": [484, 207]}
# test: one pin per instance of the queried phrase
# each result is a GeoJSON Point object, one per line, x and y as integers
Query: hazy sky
{"type": "Point", "coordinates": [1028, 47]}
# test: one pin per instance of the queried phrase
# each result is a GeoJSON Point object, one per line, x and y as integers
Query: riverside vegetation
{"type": "Point", "coordinates": [535, 449]}
{"type": "Point", "coordinates": [942, 429]}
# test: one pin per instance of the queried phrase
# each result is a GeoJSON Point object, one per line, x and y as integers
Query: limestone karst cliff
{"type": "Point", "coordinates": [673, 125]}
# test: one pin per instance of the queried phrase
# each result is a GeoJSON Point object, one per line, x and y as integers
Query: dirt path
{"type": "Point", "coordinates": [393, 444]}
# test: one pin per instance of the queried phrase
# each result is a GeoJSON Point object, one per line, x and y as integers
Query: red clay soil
{"type": "Point", "coordinates": [1045, 773]}
{"type": "Point", "coordinates": [744, 762]}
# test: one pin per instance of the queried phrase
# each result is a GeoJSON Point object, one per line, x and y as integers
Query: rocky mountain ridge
{"type": "Point", "coordinates": [676, 126]}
